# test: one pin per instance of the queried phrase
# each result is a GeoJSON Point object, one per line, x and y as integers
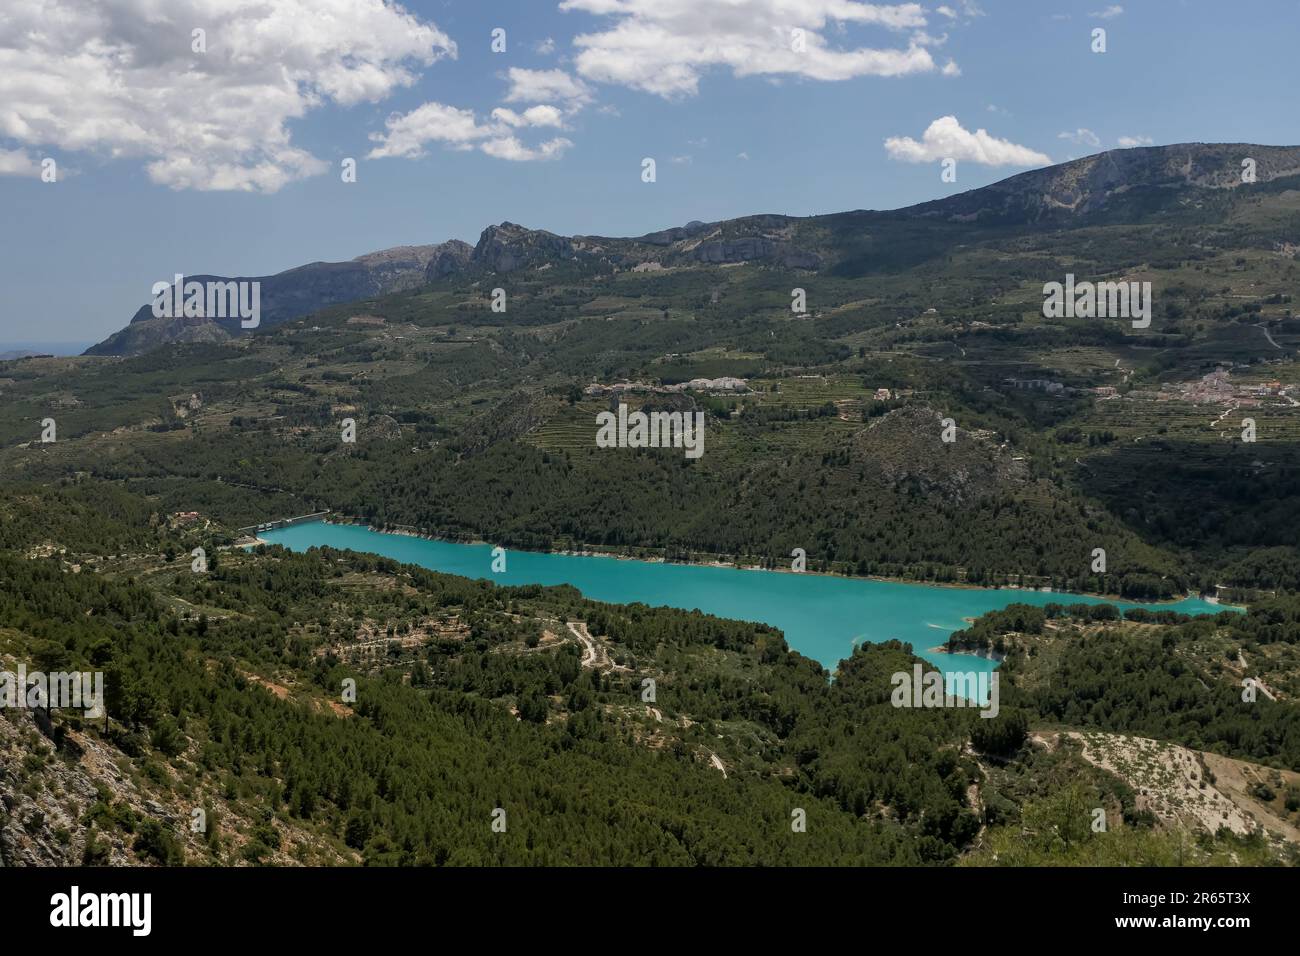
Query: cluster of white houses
{"type": "Point", "coordinates": [1213, 388]}
{"type": "Point", "coordinates": [726, 384]}
{"type": "Point", "coordinates": [1058, 388]}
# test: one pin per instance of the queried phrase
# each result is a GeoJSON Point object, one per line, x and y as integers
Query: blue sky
{"type": "Point", "coordinates": [226, 161]}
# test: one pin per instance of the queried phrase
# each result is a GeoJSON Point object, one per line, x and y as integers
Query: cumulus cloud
{"type": "Point", "coordinates": [1081, 137]}
{"type": "Point", "coordinates": [665, 46]}
{"type": "Point", "coordinates": [924, 38]}
{"type": "Point", "coordinates": [543, 115]}
{"type": "Point", "coordinates": [18, 162]}
{"type": "Point", "coordinates": [508, 147]}
{"type": "Point", "coordinates": [946, 139]}
{"type": "Point", "coordinates": [121, 78]}
{"type": "Point", "coordinates": [406, 135]}
{"type": "Point", "coordinates": [542, 86]}
{"type": "Point", "coordinates": [1110, 13]}
{"type": "Point", "coordinates": [409, 132]}
{"type": "Point", "coordinates": [969, 9]}
{"type": "Point", "coordinates": [1127, 141]}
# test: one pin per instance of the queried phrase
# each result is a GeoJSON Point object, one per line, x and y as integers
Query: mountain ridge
{"type": "Point", "coordinates": [289, 295]}
{"type": "Point", "coordinates": [1103, 183]}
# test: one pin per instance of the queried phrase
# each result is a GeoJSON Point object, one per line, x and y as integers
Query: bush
{"type": "Point", "coordinates": [1262, 791]}
{"type": "Point", "coordinates": [1002, 735]}
{"type": "Point", "coordinates": [156, 843]}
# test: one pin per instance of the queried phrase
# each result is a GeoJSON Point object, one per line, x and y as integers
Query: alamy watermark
{"type": "Point", "coordinates": [651, 430]}
{"type": "Point", "coordinates": [930, 689]}
{"type": "Point", "coordinates": [1098, 300]}
{"type": "Point", "coordinates": [233, 299]}
{"type": "Point", "coordinates": [133, 911]}
{"type": "Point", "coordinates": [58, 691]}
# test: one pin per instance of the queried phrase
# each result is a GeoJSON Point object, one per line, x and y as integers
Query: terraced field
{"type": "Point", "coordinates": [810, 391]}
{"type": "Point", "coordinates": [572, 428]}
{"type": "Point", "coordinates": [1136, 420]}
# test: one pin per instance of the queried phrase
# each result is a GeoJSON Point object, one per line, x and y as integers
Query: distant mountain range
{"type": "Point", "coordinates": [1112, 186]}
{"type": "Point", "coordinates": [293, 293]}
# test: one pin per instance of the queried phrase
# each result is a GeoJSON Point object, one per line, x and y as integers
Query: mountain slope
{"type": "Point", "coordinates": [1124, 185]}
{"type": "Point", "coordinates": [293, 293]}
{"type": "Point", "coordinates": [1105, 180]}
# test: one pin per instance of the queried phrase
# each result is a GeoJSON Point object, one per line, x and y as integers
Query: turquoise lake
{"type": "Point", "coordinates": [822, 616]}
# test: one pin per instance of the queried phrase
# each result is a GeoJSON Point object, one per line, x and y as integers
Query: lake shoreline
{"type": "Point", "coordinates": [985, 653]}
{"type": "Point", "coordinates": [409, 532]}
{"type": "Point", "coordinates": [820, 615]}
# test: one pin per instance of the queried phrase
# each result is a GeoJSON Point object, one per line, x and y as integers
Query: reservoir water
{"type": "Point", "coordinates": [822, 616]}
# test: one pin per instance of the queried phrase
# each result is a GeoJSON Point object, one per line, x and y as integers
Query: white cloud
{"type": "Point", "coordinates": [507, 147]}
{"type": "Point", "coordinates": [545, 47]}
{"type": "Point", "coordinates": [1127, 141]}
{"type": "Point", "coordinates": [951, 69]}
{"type": "Point", "coordinates": [742, 155]}
{"type": "Point", "coordinates": [1081, 137]}
{"type": "Point", "coordinates": [546, 86]}
{"type": "Point", "coordinates": [407, 134]}
{"type": "Point", "coordinates": [533, 116]}
{"type": "Point", "coordinates": [1110, 13]}
{"type": "Point", "coordinates": [666, 46]}
{"type": "Point", "coordinates": [119, 77]}
{"type": "Point", "coordinates": [945, 138]}
{"type": "Point", "coordinates": [924, 38]}
{"type": "Point", "coordinates": [18, 162]}
{"type": "Point", "coordinates": [968, 9]}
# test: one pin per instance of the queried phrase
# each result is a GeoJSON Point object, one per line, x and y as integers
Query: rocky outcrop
{"type": "Point", "coordinates": [905, 449]}
{"type": "Point", "coordinates": [145, 333]}
{"type": "Point", "coordinates": [508, 247]}
{"type": "Point", "coordinates": [452, 257]}
{"type": "Point", "coordinates": [62, 788]}
{"type": "Point", "coordinates": [382, 428]}
{"type": "Point", "coordinates": [515, 416]}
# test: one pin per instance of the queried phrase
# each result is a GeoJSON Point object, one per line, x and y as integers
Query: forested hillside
{"type": "Point", "coordinates": [227, 694]}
